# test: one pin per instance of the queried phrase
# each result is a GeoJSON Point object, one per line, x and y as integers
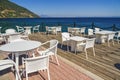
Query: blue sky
{"type": "Point", "coordinates": [72, 8]}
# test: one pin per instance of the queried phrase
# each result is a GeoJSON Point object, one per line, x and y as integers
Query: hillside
{"type": "Point", "coordinates": [11, 10]}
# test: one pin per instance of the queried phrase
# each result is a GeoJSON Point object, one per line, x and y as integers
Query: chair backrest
{"type": "Point", "coordinates": [78, 30]}
{"type": "Point", "coordinates": [90, 43]}
{"type": "Point", "coordinates": [53, 46]}
{"type": "Point", "coordinates": [48, 28]}
{"type": "Point", "coordinates": [20, 29]}
{"type": "Point", "coordinates": [69, 29]}
{"type": "Point", "coordinates": [52, 50]}
{"type": "Point", "coordinates": [65, 36]}
{"type": "Point", "coordinates": [36, 63]}
{"type": "Point", "coordinates": [10, 31]}
{"type": "Point", "coordinates": [13, 37]}
{"type": "Point", "coordinates": [110, 36]}
{"type": "Point", "coordinates": [36, 27]}
{"type": "Point", "coordinates": [58, 28]}
{"type": "Point", "coordinates": [90, 31]}
{"type": "Point", "coordinates": [4, 64]}
{"type": "Point", "coordinates": [82, 30]}
{"type": "Point", "coordinates": [97, 29]}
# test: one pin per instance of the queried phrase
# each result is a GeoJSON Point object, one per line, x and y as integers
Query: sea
{"type": "Point", "coordinates": [107, 23]}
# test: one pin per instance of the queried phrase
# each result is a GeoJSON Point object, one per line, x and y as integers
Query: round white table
{"type": "Point", "coordinates": [21, 46]}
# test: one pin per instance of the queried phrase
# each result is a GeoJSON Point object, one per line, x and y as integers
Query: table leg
{"type": "Point", "coordinates": [17, 64]}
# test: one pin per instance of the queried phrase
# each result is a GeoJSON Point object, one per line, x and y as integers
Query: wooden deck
{"type": "Point", "coordinates": [61, 72]}
{"type": "Point", "coordinates": [105, 64]}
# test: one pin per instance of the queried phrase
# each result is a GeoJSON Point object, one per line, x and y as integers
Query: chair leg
{"type": "Point", "coordinates": [108, 44]}
{"type": "Point", "coordinates": [93, 51]}
{"type": "Point", "coordinates": [113, 41]}
{"type": "Point", "coordinates": [86, 54]}
{"type": "Point", "coordinates": [61, 44]}
{"type": "Point", "coordinates": [67, 46]}
{"type": "Point", "coordinates": [48, 74]}
{"type": "Point", "coordinates": [26, 76]}
{"type": "Point", "coordinates": [118, 40]}
{"type": "Point", "coordinates": [57, 59]}
{"type": "Point", "coordinates": [33, 31]}
{"type": "Point", "coordinates": [51, 57]}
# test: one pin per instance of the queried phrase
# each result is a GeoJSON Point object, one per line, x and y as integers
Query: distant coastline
{"type": "Point", "coordinates": [55, 17]}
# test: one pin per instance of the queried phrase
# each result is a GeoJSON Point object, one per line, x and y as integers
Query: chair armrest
{"type": "Point", "coordinates": [45, 43]}
{"type": "Point", "coordinates": [71, 35]}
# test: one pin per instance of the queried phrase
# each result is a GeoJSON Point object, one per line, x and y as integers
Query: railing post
{"type": "Point", "coordinates": [42, 26]}
{"type": "Point", "coordinates": [58, 24]}
{"type": "Point", "coordinates": [92, 25]}
{"type": "Point", "coordinates": [114, 27]}
{"type": "Point", "coordinates": [74, 24]}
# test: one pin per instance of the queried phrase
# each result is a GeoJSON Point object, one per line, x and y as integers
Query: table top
{"type": "Point", "coordinates": [78, 38]}
{"type": "Point", "coordinates": [52, 27]}
{"type": "Point", "coordinates": [20, 46]}
{"type": "Point", "coordinates": [6, 34]}
{"type": "Point", "coordinates": [27, 27]}
{"type": "Point", "coordinates": [75, 28]}
{"type": "Point", "coordinates": [104, 32]}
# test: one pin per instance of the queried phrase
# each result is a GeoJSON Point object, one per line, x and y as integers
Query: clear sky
{"type": "Point", "coordinates": [72, 8]}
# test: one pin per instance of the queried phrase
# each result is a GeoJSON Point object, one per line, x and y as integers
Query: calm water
{"type": "Point", "coordinates": [104, 23]}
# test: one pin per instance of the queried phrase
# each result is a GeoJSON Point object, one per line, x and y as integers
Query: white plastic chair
{"type": "Point", "coordinates": [89, 44]}
{"type": "Point", "coordinates": [110, 37]}
{"type": "Point", "coordinates": [4, 64]}
{"type": "Point", "coordinates": [117, 37]}
{"type": "Point", "coordinates": [13, 38]}
{"type": "Point", "coordinates": [90, 32]}
{"type": "Point", "coordinates": [74, 30]}
{"type": "Point", "coordinates": [51, 51]}
{"type": "Point", "coordinates": [20, 29]}
{"type": "Point", "coordinates": [2, 39]}
{"type": "Point", "coordinates": [51, 30]}
{"type": "Point", "coordinates": [71, 30]}
{"type": "Point", "coordinates": [58, 29]}
{"type": "Point", "coordinates": [82, 30]}
{"type": "Point", "coordinates": [78, 31]}
{"type": "Point", "coordinates": [10, 31]}
{"type": "Point", "coordinates": [65, 38]}
{"type": "Point", "coordinates": [97, 29]}
{"type": "Point", "coordinates": [36, 28]}
{"type": "Point", "coordinates": [35, 64]}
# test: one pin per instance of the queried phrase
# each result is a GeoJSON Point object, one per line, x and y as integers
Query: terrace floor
{"type": "Point", "coordinates": [106, 63]}
{"type": "Point", "coordinates": [57, 72]}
